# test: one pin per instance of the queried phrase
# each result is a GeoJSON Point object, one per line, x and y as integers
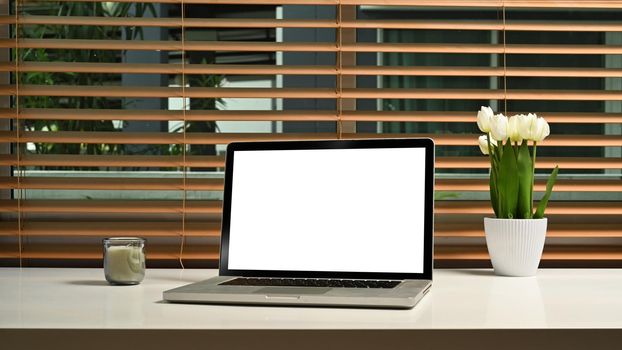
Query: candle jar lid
{"type": "Point", "coordinates": [124, 240]}
{"type": "Point", "coordinates": [124, 260]}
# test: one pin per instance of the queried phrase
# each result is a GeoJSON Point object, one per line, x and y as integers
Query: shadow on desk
{"type": "Point", "coordinates": [89, 283]}
{"type": "Point", "coordinates": [474, 272]}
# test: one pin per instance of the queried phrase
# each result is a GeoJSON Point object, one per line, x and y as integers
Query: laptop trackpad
{"type": "Point", "coordinates": [291, 290]}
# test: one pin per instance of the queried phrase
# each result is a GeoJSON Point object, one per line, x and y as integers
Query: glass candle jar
{"type": "Point", "coordinates": [124, 260]}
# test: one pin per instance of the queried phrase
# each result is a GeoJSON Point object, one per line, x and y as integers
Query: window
{"type": "Point", "coordinates": [115, 115]}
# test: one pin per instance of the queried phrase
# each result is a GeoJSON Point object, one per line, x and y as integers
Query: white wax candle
{"type": "Point", "coordinates": [125, 264]}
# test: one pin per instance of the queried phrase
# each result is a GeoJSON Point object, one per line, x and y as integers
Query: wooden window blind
{"type": "Point", "coordinates": [115, 115]}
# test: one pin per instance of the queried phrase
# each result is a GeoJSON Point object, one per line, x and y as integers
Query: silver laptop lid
{"type": "Point", "coordinates": [334, 209]}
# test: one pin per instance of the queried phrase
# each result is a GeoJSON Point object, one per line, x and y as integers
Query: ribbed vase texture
{"type": "Point", "coordinates": [515, 245]}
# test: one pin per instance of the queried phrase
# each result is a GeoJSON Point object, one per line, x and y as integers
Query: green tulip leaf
{"type": "Point", "coordinates": [525, 182]}
{"type": "Point", "coordinates": [507, 183]}
{"type": "Point", "coordinates": [545, 199]}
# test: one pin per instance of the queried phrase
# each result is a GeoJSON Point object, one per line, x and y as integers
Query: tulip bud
{"type": "Point", "coordinates": [483, 144]}
{"type": "Point", "coordinates": [540, 129]}
{"type": "Point", "coordinates": [483, 119]}
{"type": "Point", "coordinates": [513, 128]}
{"type": "Point", "coordinates": [499, 127]}
{"type": "Point", "coordinates": [524, 125]}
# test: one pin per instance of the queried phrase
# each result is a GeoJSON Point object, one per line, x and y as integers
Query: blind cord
{"type": "Point", "coordinates": [18, 189]}
{"type": "Point", "coordinates": [184, 126]}
{"type": "Point", "coordinates": [505, 64]}
{"type": "Point", "coordinates": [339, 82]}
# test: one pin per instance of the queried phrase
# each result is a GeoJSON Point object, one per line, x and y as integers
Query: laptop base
{"type": "Point", "coordinates": [404, 296]}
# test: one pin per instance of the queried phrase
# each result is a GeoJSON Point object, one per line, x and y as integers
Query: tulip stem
{"type": "Point", "coordinates": [493, 168]}
{"type": "Point", "coordinates": [492, 160]}
{"type": "Point", "coordinates": [533, 173]}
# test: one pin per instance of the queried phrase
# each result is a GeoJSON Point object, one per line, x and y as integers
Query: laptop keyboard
{"type": "Point", "coordinates": [310, 282]}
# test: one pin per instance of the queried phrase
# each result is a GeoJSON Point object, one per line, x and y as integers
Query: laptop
{"type": "Point", "coordinates": [324, 223]}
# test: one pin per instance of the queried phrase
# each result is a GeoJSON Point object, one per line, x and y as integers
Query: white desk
{"type": "Point", "coordinates": [560, 308]}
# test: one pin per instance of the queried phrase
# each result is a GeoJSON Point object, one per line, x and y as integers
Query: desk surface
{"type": "Point", "coordinates": [35, 298]}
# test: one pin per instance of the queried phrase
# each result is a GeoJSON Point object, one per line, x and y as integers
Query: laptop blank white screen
{"type": "Point", "coordinates": [342, 210]}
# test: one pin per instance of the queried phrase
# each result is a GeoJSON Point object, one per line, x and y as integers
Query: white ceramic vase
{"type": "Point", "coordinates": [515, 245]}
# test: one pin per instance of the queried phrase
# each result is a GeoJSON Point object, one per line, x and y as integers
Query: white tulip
{"type": "Point", "coordinates": [513, 128]}
{"type": "Point", "coordinates": [540, 129]}
{"type": "Point", "coordinates": [533, 128]}
{"type": "Point", "coordinates": [483, 119]}
{"type": "Point", "coordinates": [499, 127]}
{"type": "Point", "coordinates": [483, 144]}
{"type": "Point", "coordinates": [524, 125]}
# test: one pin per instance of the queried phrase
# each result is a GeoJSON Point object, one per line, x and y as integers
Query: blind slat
{"type": "Point", "coordinates": [165, 45]}
{"type": "Point", "coordinates": [320, 93]}
{"type": "Point", "coordinates": [554, 208]}
{"type": "Point", "coordinates": [112, 206]}
{"type": "Point", "coordinates": [166, 68]}
{"type": "Point", "coordinates": [83, 251]}
{"type": "Point", "coordinates": [578, 26]}
{"type": "Point", "coordinates": [70, 160]}
{"type": "Point", "coordinates": [110, 183]}
{"type": "Point", "coordinates": [470, 117]}
{"type": "Point", "coordinates": [217, 2]}
{"type": "Point", "coordinates": [542, 163]}
{"type": "Point", "coordinates": [243, 46]}
{"type": "Point", "coordinates": [291, 115]}
{"type": "Point", "coordinates": [224, 138]}
{"type": "Point", "coordinates": [485, 48]}
{"type": "Point", "coordinates": [611, 4]}
{"type": "Point", "coordinates": [173, 68]}
{"type": "Point", "coordinates": [113, 228]}
{"type": "Point", "coordinates": [212, 229]}
{"type": "Point", "coordinates": [484, 94]}
{"type": "Point", "coordinates": [480, 3]}
{"type": "Point", "coordinates": [166, 115]}
{"type": "Point", "coordinates": [216, 184]}
{"type": "Point", "coordinates": [207, 252]}
{"type": "Point", "coordinates": [60, 160]}
{"type": "Point", "coordinates": [177, 22]}
{"type": "Point", "coordinates": [164, 92]}
{"type": "Point", "coordinates": [562, 185]}
{"type": "Point", "coordinates": [214, 207]}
